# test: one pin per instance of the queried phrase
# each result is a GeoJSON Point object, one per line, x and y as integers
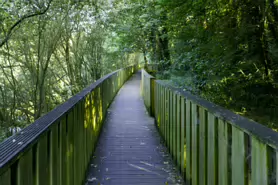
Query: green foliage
{"type": "Point", "coordinates": [51, 55]}
{"type": "Point", "coordinates": [225, 51]}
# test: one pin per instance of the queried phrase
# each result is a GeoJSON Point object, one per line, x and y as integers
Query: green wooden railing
{"type": "Point", "coordinates": [56, 149]}
{"type": "Point", "coordinates": [147, 90]}
{"type": "Point", "coordinates": [211, 145]}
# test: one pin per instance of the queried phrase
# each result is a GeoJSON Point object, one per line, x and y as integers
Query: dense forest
{"type": "Point", "coordinates": [225, 51]}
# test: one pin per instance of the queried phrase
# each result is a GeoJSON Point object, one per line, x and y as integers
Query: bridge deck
{"type": "Point", "coordinates": [130, 150]}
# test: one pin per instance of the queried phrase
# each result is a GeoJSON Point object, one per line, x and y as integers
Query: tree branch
{"type": "Point", "coordinates": [17, 23]}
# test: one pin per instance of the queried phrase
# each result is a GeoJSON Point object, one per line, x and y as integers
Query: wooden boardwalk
{"type": "Point", "coordinates": [130, 150]}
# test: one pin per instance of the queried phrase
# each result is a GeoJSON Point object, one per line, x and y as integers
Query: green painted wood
{"type": "Point", "coordinates": [5, 178]}
{"type": "Point", "coordinates": [158, 118]}
{"type": "Point", "coordinates": [70, 148]}
{"type": "Point", "coordinates": [188, 141]}
{"type": "Point", "coordinates": [178, 131]}
{"type": "Point", "coordinates": [25, 169]}
{"type": "Point", "coordinates": [100, 110]}
{"type": "Point", "coordinates": [82, 138]}
{"type": "Point", "coordinates": [183, 137]}
{"type": "Point", "coordinates": [195, 145]}
{"type": "Point", "coordinates": [54, 156]}
{"type": "Point", "coordinates": [223, 144]}
{"type": "Point", "coordinates": [203, 146]}
{"type": "Point", "coordinates": [160, 108]}
{"type": "Point", "coordinates": [157, 101]}
{"type": "Point", "coordinates": [174, 123]}
{"type": "Point", "coordinates": [167, 117]}
{"type": "Point", "coordinates": [152, 82]}
{"type": "Point", "coordinates": [259, 171]}
{"type": "Point", "coordinates": [42, 162]}
{"type": "Point", "coordinates": [238, 157]}
{"type": "Point", "coordinates": [94, 125]}
{"type": "Point", "coordinates": [63, 150]}
{"type": "Point", "coordinates": [212, 150]}
{"type": "Point", "coordinates": [163, 112]}
{"type": "Point", "coordinates": [76, 147]}
{"type": "Point", "coordinates": [88, 126]}
{"type": "Point", "coordinates": [80, 142]}
{"type": "Point", "coordinates": [171, 121]}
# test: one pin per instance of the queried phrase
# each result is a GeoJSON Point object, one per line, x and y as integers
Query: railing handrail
{"type": "Point", "coordinates": [249, 126]}
{"type": "Point", "coordinates": [14, 146]}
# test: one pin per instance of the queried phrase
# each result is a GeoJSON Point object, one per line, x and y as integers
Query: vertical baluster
{"type": "Point", "coordinates": [238, 157]}
{"type": "Point", "coordinates": [42, 162]}
{"type": "Point", "coordinates": [168, 118]}
{"type": "Point", "coordinates": [69, 155]}
{"type": "Point", "coordinates": [195, 145]}
{"type": "Point", "coordinates": [203, 146]}
{"type": "Point", "coordinates": [24, 170]}
{"type": "Point", "coordinates": [171, 122]}
{"type": "Point", "coordinates": [183, 136]}
{"type": "Point", "coordinates": [188, 142]}
{"type": "Point", "coordinates": [259, 171]}
{"type": "Point", "coordinates": [5, 178]}
{"type": "Point", "coordinates": [54, 155]}
{"type": "Point", "coordinates": [212, 150]}
{"type": "Point", "coordinates": [178, 131]}
{"type": "Point", "coordinates": [223, 147]}
{"type": "Point", "coordinates": [63, 151]}
{"type": "Point", "coordinates": [174, 123]}
{"type": "Point", "coordinates": [163, 111]}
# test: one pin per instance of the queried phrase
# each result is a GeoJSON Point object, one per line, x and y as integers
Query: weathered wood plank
{"type": "Point", "coordinates": [171, 121]}
{"type": "Point", "coordinates": [25, 169]}
{"type": "Point", "coordinates": [167, 118]}
{"type": "Point", "coordinates": [259, 171]}
{"type": "Point", "coordinates": [203, 146]}
{"type": "Point", "coordinates": [163, 114]}
{"type": "Point", "coordinates": [42, 162]}
{"type": "Point", "coordinates": [188, 142]}
{"type": "Point", "coordinates": [223, 144]}
{"type": "Point", "coordinates": [178, 131]}
{"type": "Point", "coordinates": [158, 118]}
{"type": "Point", "coordinates": [212, 150]}
{"type": "Point", "coordinates": [238, 157]}
{"type": "Point", "coordinates": [82, 155]}
{"type": "Point", "coordinates": [195, 145]}
{"type": "Point", "coordinates": [5, 178]}
{"type": "Point", "coordinates": [76, 147]}
{"type": "Point", "coordinates": [183, 136]}
{"type": "Point", "coordinates": [54, 156]}
{"type": "Point", "coordinates": [174, 141]}
{"type": "Point", "coordinates": [63, 150]}
{"type": "Point", "coordinates": [70, 145]}
{"type": "Point", "coordinates": [152, 96]}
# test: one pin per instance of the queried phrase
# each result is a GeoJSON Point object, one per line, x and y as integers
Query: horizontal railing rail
{"type": "Point", "coordinates": [56, 149]}
{"type": "Point", "coordinates": [212, 145]}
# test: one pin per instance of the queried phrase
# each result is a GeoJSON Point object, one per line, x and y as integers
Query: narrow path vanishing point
{"type": "Point", "coordinates": [130, 150]}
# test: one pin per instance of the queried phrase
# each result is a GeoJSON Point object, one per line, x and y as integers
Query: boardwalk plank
{"type": "Point", "coordinates": [130, 150]}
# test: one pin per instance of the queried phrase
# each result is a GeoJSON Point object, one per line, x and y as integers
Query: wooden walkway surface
{"type": "Point", "coordinates": [130, 150]}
